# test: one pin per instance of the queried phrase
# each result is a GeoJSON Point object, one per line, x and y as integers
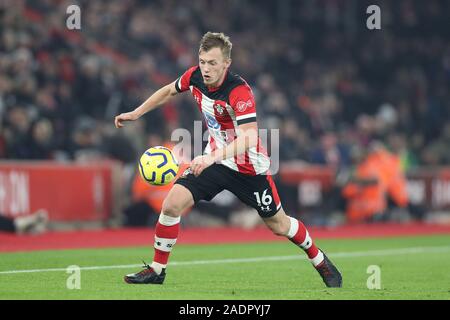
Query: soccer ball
{"type": "Point", "coordinates": [158, 166]}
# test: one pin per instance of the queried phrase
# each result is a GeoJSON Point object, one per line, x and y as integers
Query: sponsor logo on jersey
{"type": "Point", "coordinates": [242, 105]}
{"type": "Point", "coordinates": [211, 121]}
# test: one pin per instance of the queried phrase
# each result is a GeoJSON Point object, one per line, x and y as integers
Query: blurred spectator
{"type": "Point", "coordinates": [86, 141]}
{"type": "Point", "coordinates": [392, 172]}
{"type": "Point", "coordinates": [391, 175]}
{"type": "Point", "coordinates": [397, 142]}
{"type": "Point", "coordinates": [42, 145]}
{"type": "Point", "coordinates": [146, 203]}
{"type": "Point", "coordinates": [364, 193]}
{"type": "Point", "coordinates": [438, 152]}
{"type": "Point", "coordinates": [295, 143]}
{"type": "Point", "coordinates": [330, 152]}
{"type": "Point", "coordinates": [377, 190]}
{"type": "Point", "coordinates": [16, 133]}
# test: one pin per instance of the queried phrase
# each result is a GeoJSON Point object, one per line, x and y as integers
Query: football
{"type": "Point", "coordinates": [158, 166]}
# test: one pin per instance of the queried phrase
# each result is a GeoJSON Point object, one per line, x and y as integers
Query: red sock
{"type": "Point", "coordinates": [299, 235]}
{"type": "Point", "coordinates": [166, 234]}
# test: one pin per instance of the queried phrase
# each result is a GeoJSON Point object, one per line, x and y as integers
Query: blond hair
{"type": "Point", "coordinates": [216, 40]}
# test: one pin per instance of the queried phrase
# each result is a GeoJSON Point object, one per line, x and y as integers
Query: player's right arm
{"type": "Point", "coordinates": [158, 98]}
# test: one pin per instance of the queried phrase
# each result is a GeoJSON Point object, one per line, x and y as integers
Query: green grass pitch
{"type": "Point", "coordinates": [410, 268]}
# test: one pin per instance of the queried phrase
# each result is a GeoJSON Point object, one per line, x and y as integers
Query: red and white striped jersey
{"type": "Point", "coordinates": [224, 109]}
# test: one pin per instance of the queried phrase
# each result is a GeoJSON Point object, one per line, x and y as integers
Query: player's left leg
{"type": "Point", "coordinates": [260, 192]}
{"type": "Point", "coordinates": [284, 225]}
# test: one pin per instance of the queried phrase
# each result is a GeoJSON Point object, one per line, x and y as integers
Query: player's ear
{"type": "Point", "coordinates": [227, 62]}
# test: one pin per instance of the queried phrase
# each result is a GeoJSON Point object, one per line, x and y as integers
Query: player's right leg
{"type": "Point", "coordinates": [187, 191]}
{"type": "Point", "coordinates": [178, 200]}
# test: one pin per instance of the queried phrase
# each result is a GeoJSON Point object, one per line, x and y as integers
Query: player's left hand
{"type": "Point", "coordinates": [200, 163]}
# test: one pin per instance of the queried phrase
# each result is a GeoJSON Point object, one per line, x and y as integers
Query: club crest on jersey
{"type": "Point", "coordinates": [219, 108]}
{"type": "Point", "coordinates": [242, 105]}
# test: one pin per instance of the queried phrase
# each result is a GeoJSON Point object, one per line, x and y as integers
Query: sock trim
{"type": "Point", "coordinates": [317, 259]}
{"type": "Point", "coordinates": [293, 227]}
{"type": "Point", "coordinates": [157, 267]}
{"type": "Point", "coordinates": [168, 221]}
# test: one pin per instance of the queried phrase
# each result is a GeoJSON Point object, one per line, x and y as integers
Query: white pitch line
{"type": "Point", "coordinates": [387, 252]}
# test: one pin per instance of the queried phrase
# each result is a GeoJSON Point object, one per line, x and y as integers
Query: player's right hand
{"type": "Point", "coordinates": [128, 116]}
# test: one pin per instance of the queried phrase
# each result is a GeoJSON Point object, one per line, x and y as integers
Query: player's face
{"type": "Point", "coordinates": [213, 66]}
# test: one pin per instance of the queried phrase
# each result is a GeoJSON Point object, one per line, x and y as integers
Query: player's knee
{"type": "Point", "coordinates": [172, 208]}
{"type": "Point", "coordinates": [279, 228]}
{"type": "Point", "coordinates": [279, 224]}
{"type": "Point", "coordinates": [177, 201]}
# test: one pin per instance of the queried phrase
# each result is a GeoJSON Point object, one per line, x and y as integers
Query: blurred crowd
{"type": "Point", "coordinates": [318, 74]}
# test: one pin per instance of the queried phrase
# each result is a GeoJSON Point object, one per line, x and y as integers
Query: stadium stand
{"type": "Point", "coordinates": [318, 74]}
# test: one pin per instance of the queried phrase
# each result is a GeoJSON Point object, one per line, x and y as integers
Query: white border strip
{"type": "Point", "coordinates": [246, 116]}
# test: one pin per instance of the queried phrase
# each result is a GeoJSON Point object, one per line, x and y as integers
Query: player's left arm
{"type": "Point", "coordinates": [243, 102]}
{"type": "Point", "coordinates": [247, 139]}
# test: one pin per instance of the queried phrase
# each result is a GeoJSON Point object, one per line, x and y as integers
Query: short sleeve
{"type": "Point", "coordinates": [183, 82]}
{"type": "Point", "coordinates": [243, 103]}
